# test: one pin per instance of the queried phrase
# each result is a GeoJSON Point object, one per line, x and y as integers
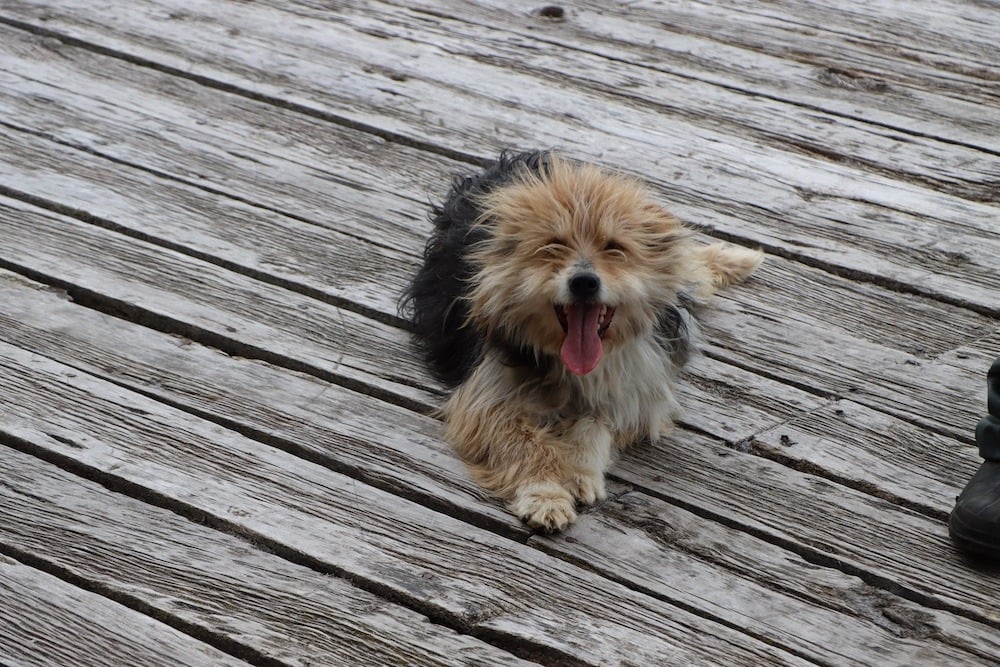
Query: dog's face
{"type": "Point", "coordinates": [577, 261]}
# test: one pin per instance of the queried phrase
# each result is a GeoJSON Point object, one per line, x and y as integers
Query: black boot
{"type": "Point", "coordinates": [975, 521]}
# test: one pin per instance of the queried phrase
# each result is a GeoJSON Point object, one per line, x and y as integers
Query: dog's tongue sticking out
{"type": "Point", "coordinates": [581, 351]}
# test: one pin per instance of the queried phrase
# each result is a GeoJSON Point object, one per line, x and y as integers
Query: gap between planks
{"type": "Point", "coordinates": [855, 273]}
{"type": "Point", "coordinates": [215, 569]}
{"type": "Point", "coordinates": [737, 524]}
{"type": "Point", "coordinates": [300, 501]}
{"type": "Point", "coordinates": [150, 312]}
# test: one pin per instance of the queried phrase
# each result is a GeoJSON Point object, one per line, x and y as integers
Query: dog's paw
{"type": "Point", "coordinates": [587, 487]}
{"type": "Point", "coordinates": [548, 506]}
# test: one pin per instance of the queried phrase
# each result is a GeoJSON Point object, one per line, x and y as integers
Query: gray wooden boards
{"type": "Point", "coordinates": [344, 526]}
{"type": "Point", "coordinates": [133, 276]}
{"type": "Point", "coordinates": [831, 331]}
{"type": "Point", "coordinates": [309, 417]}
{"type": "Point", "coordinates": [205, 581]}
{"type": "Point", "coordinates": [45, 621]}
{"type": "Point", "coordinates": [213, 426]}
{"type": "Point", "coordinates": [307, 257]}
{"type": "Point", "coordinates": [847, 216]}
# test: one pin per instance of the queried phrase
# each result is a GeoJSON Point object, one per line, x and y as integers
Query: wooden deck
{"type": "Point", "coordinates": [214, 447]}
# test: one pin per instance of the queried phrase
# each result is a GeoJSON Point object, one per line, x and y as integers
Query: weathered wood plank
{"type": "Point", "coordinates": [854, 341]}
{"type": "Point", "coordinates": [770, 325]}
{"type": "Point", "coordinates": [946, 393]}
{"type": "Point", "coordinates": [44, 621]}
{"type": "Point", "coordinates": [192, 296]}
{"type": "Point", "coordinates": [769, 591]}
{"type": "Point", "coordinates": [928, 71]}
{"type": "Point", "coordinates": [827, 523]}
{"type": "Point", "coordinates": [882, 455]}
{"type": "Point", "coordinates": [254, 152]}
{"type": "Point", "coordinates": [833, 205]}
{"type": "Point", "coordinates": [213, 581]}
{"type": "Point", "coordinates": [946, 47]}
{"type": "Point", "coordinates": [838, 439]}
{"type": "Point", "coordinates": [376, 442]}
{"type": "Point", "coordinates": [505, 590]}
{"type": "Point", "coordinates": [657, 75]}
{"type": "Point", "coordinates": [338, 266]}
{"type": "Point", "coordinates": [202, 380]}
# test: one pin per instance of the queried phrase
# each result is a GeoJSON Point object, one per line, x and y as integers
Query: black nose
{"type": "Point", "coordinates": [584, 285]}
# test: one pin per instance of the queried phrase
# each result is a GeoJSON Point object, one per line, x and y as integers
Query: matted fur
{"type": "Point", "coordinates": [489, 313]}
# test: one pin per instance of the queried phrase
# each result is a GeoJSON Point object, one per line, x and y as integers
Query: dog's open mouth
{"type": "Point", "coordinates": [585, 325]}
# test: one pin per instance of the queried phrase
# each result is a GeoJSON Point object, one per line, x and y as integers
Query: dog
{"type": "Point", "coordinates": [556, 299]}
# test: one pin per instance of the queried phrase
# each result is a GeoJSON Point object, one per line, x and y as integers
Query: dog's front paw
{"type": "Point", "coordinates": [548, 506]}
{"type": "Point", "coordinates": [587, 487]}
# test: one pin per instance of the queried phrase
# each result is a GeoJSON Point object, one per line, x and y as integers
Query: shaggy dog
{"type": "Point", "coordinates": [556, 299]}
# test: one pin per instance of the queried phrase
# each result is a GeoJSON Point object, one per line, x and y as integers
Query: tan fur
{"type": "Point", "coordinates": [542, 444]}
{"type": "Point", "coordinates": [728, 264]}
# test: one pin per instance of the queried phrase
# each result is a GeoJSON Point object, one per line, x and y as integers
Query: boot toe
{"type": "Point", "coordinates": [975, 522]}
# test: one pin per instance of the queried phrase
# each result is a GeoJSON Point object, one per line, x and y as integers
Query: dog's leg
{"type": "Point", "coordinates": [592, 446]}
{"type": "Point", "coordinates": [540, 474]}
{"type": "Point", "coordinates": [508, 448]}
{"type": "Point", "coordinates": [520, 462]}
{"type": "Point", "coordinates": [726, 264]}
{"type": "Point", "coordinates": [528, 467]}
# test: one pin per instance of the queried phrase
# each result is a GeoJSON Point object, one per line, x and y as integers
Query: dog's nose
{"type": "Point", "coordinates": [584, 285]}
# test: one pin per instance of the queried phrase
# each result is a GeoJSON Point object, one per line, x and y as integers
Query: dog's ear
{"type": "Point", "coordinates": [725, 264]}
{"type": "Point", "coordinates": [662, 231]}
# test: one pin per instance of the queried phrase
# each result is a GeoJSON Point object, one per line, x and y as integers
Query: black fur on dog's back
{"type": "Point", "coordinates": [434, 300]}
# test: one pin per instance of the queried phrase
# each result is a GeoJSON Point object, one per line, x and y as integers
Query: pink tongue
{"type": "Point", "coordinates": [581, 351]}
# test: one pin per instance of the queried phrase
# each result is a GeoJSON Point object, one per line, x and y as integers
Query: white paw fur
{"type": "Point", "coordinates": [546, 505]}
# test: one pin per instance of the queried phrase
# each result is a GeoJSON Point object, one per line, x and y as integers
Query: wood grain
{"type": "Point", "coordinates": [194, 575]}
{"type": "Point", "coordinates": [948, 46]}
{"type": "Point", "coordinates": [948, 392]}
{"type": "Point", "coordinates": [45, 621]}
{"type": "Point", "coordinates": [186, 295]}
{"type": "Point", "coordinates": [888, 544]}
{"type": "Point", "coordinates": [371, 440]}
{"type": "Point", "coordinates": [265, 155]}
{"type": "Point", "coordinates": [790, 322]}
{"type": "Point", "coordinates": [927, 70]}
{"type": "Point", "coordinates": [883, 456]}
{"type": "Point", "coordinates": [767, 590]}
{"type": "Point", "coordinates": [399, 452]}
{"type": "Point", "coordinates": [506, 590]}
{"type": "Point", "coordinates": [662, 56]}
{"type": "Point", "coordinates": [900, 223]}
{"type": "Point", "coordinates": [351, 268]}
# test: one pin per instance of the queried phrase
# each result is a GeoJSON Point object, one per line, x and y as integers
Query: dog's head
{"type": "Point", "coordinates": [576, 261]}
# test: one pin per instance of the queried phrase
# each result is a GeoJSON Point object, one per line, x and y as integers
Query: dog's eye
{"type": "Point", "coordinates": [553, 246]}
{"type": "Point", "coordinates": [614, 247]}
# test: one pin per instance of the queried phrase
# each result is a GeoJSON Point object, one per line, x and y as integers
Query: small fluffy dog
{"type": "Point", "coordinates": [556, 299]}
